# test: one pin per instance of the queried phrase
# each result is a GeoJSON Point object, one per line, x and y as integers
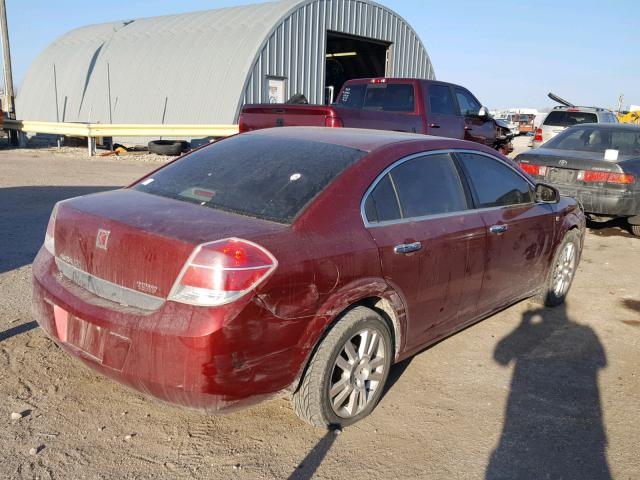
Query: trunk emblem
{"type": "Point", "coordinates": [563, 163]}
{"type": "Point", "coordinates": [102, 239]}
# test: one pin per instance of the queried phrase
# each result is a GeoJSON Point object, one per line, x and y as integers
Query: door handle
{"type": "Point", "coordinates": [434, 125]}
{"type": "Point", "coordinates": [468, 129]}
{"type": "Point", "coordinates": [498, 228]}
{"type": "Point", "coordinates": [407, 248]}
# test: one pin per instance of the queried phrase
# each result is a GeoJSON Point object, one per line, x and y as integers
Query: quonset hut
{"type": "Point", "coordinates": [201, 67]}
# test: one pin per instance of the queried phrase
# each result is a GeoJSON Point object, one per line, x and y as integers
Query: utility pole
{"type": "Point", "coordinates": [9, 105]}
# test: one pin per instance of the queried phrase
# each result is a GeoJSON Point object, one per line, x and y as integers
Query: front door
{"type": "Point", "coordinates": [431, 245]}
{"type": "Point", "coordinates": [519, 231]}
{"type": "Point", "coordinates": [476, 129]}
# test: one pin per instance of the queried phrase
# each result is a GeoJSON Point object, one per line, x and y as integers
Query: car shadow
{"type": "Point", "coordinates": [617, 227]}
{"type": "Point", "coordinates": [24, 214]}
{"type": "Point", "coordinates": [395, 373]}
{"type": "Point", "coordinates": [553, 424]}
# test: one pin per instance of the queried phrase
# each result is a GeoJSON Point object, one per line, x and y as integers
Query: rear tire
{"type": "Point", "coordinates": [346, 376]}
{"type": "Point", "coordinates": [562, 271]}
{"type": "Point", "coordinates": [635, 229]}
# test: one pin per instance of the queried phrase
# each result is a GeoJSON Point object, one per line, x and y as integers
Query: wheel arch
{"type": "Point", "coordinates": [384, 301]}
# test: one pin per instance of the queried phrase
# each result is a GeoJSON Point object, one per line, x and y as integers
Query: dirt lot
{"type": "Point", "coordinates": [528, 393]}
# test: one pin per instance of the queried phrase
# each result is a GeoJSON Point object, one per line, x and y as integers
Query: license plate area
{"type": "Point", "coordinates": [562, 175]}
{"type": "Point", "coordinates": [85, 336]}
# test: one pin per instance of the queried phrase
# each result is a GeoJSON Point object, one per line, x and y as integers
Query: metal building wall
{"type": "Point", "coordinates": [200, 67]}
{"type": "Point", "coordinates": [296, 48]}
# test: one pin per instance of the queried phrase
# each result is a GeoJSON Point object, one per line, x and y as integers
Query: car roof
{"type": "Point", "coordinates": [358, 81]}
{"type": "Point", "coordinates": [361, 139]}
{"type": "Point", "coordinates": [579, 108]}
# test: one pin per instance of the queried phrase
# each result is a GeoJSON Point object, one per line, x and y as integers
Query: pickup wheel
{"type": "Point", "coordinates": [635, 229]}
{"type": "Point", "coordinates": [562, 271]}
{"type": "Point", "coordinates": [345, 377]}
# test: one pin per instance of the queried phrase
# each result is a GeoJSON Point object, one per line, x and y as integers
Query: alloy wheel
{"type": "Point", "coordinates": [564, 270]}
{"type": "Point", "coordinates": [357, 373]}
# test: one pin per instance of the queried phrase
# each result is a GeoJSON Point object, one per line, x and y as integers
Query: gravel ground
{"type": "Point", "coordinates": [528, 393]}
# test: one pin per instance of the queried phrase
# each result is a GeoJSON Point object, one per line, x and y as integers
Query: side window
{"type": "Point", "coordinates": [382, 203]}
{"type": "Point", "coordinates": [399, 98]}
{"type": "Point", "coordinates": [427, 185]}
{"type": "Point", "coordinates": [352, 96]}
{"type": "Point", "coordinates": [468, 104]}
{"type": "Point", "coordinates": [389, 97]}
{"type": "Point", "coordinates": [494, 183]}
{"type": "Point", "coordinates": [441, 100]}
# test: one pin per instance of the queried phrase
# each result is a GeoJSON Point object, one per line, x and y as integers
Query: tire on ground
{"type": "Point", "coordinates": [547, 295]}
{"type": "Point", "coordinates": [635, 229]}
{"type": "Point", "coordinates": [167, 147]}
{"type": "Point", "coordinates": [311, 401]}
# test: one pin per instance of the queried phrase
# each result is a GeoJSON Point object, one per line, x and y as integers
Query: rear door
{"type": "Point", "coordinates": [442, 116]}
{"type": "Point", "coordinates": [431, 244]}
{"type": "Point", "coordinates": [519, 231]}
{"type": "Point", "coordinates": [477, 129]}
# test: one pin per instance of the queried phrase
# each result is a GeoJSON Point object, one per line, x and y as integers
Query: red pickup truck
{"type": "Point", "coordinates": [400, 104]}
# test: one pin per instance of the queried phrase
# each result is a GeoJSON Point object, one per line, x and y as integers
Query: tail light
{"type": "Point", "coordinates": [242, 125]}
{"type": "Point", "coordinates": [538, 136]}
{"type": "Point", "coordinates": [220, 272]}
{"type": "Point", "coordinates": [591, 176]}
{"type": "Point", "coordinates": [49, 240]}
{"type": "Point", "coordinates": [378, 80]}
{"type": "Point", "coordinates": [333, 122]}
{"type": "Point", "coordinates": [539, 170]}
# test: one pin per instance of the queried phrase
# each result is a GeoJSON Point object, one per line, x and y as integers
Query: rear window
{"type": "Point", "coordinates": [383, 97]}
{"type": "Point", "coordinates": [598, 139]}
{"type": "Point", "coordinates": [560, 118]}
{"type": "Point", "coordinates": [254, 175]}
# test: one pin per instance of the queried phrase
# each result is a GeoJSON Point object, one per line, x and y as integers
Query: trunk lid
{"type": "Point", "coordinates": [571, 159]}
{"type": "Point", "coordinates": [141, 241]}
{"type": "Point", "coordinates": [565, 165]}
{"type": "Point", "coordinates": [258, 116]}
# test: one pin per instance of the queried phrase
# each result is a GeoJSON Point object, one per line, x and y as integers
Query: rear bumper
{"type": "Point", "coordinates": [207, 359]}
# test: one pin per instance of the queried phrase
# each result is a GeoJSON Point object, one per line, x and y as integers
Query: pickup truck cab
{"type": "Point", "coordinates": [399, 104]}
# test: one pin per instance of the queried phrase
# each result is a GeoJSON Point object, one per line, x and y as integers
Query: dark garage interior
{"type": "Point", "coordinates": [351, 57]}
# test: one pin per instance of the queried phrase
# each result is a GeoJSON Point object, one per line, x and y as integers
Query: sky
{"type": "Point", "coordinates": [509, 53]}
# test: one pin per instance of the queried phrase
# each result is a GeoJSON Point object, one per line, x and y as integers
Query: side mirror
{"type": "Point", "coordinates": [483, 112]}
{"type": "Point", "coordinates": [546, 194]}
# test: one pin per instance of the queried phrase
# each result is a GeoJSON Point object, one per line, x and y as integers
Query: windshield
{"type": "Point", "coordinates": [255, 175]}
{"type": "Point", "coordinates": [597, 139]}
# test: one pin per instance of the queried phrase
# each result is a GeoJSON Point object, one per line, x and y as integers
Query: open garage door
{"type": "Point", "coordinates": [351, 57]}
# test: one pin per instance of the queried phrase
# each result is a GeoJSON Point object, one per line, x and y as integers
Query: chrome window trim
{"type": "Point", "coordinates": [399, 162]}
{"type": "Point", "coordinates": [108, 290]}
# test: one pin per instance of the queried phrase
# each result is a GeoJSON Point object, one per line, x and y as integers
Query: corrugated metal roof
{"type": "Point", "coordinates": [178, 58]}
{"type": "Point", "coordinates": [201, 64]}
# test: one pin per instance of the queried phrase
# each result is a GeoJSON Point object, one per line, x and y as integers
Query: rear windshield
{"type": "Point", "coordinates": [383, 97]}
{"type": "Point", "coordinates": [254, 175]}
{"type": "Point", "coordinates": [560, 118]}
{"type": "Point", "coordinates": [597, 139]}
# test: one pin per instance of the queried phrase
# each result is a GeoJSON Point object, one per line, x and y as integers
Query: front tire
{"type": "Point", "coordinates": [635, 229]}
{"type": "Point", "coordinates": [345, 377]}
{"type": "Point", "coordinates": [562, 271]}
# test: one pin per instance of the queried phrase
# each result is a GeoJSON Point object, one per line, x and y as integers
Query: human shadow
{"type": "Point", "coordinates": [553, 421]}
{"type": "Point", "coordinates": [24, 214]}
{"type": "Point", "coordinates": [307, 468]}
{"type": "Point", "coordinates": [25, 327]}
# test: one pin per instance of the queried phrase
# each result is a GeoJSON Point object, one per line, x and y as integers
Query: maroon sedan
{"type": "Point", "coordinates": [298, 260]}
